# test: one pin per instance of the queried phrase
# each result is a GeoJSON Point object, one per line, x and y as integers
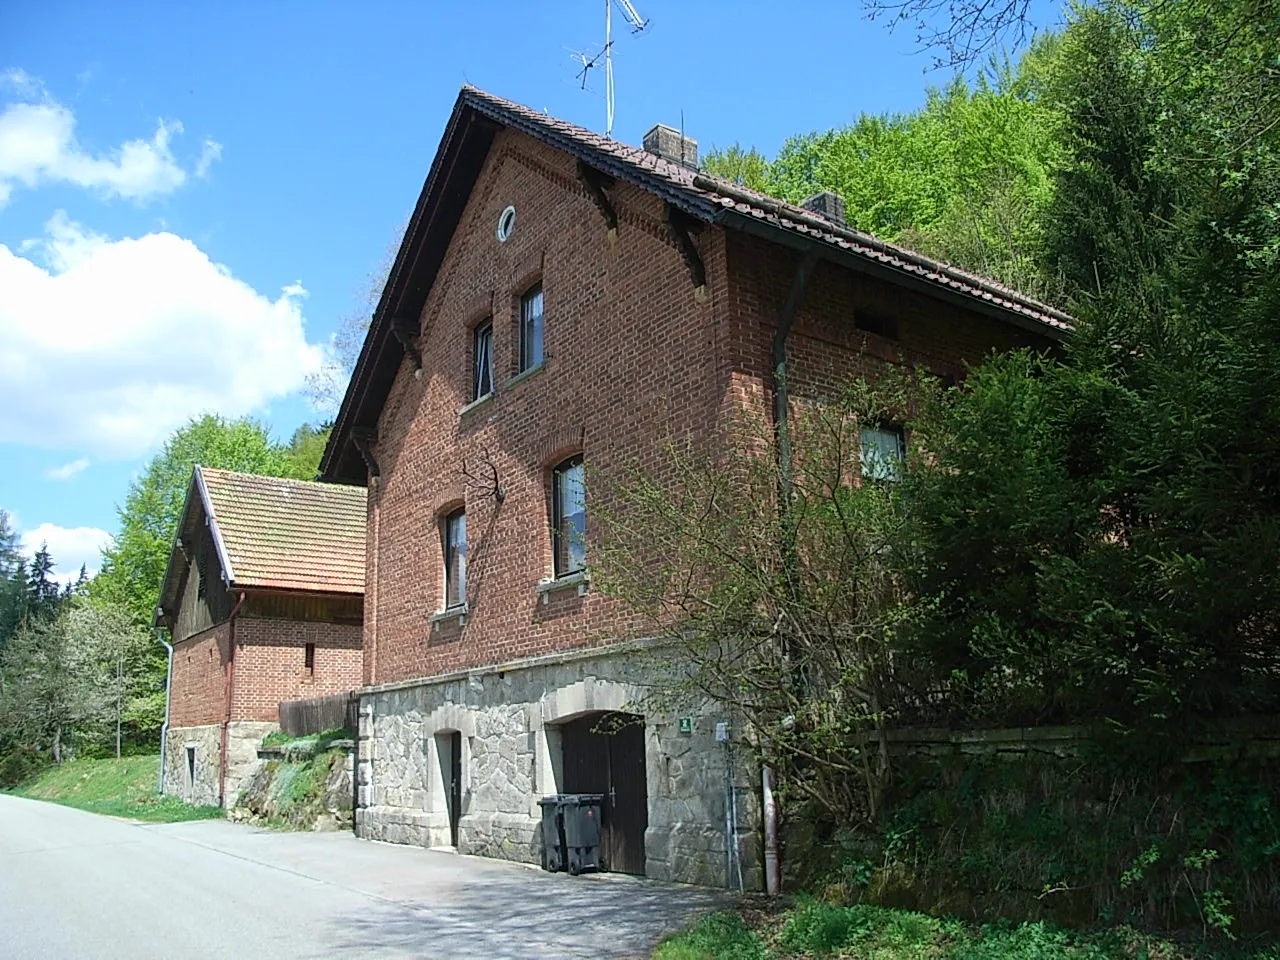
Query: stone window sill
{"type": "Point", "coordinates": [475, 404]}
{"type": "Point", "coordinates": [449, 615]}
{"type": "Point", "coordinates": [579, 581]}
{"type": "Point", "coordinates": [524, 375]}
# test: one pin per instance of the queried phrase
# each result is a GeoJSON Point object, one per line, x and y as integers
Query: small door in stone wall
{"type": "Point", "coordinates": [604, 753]}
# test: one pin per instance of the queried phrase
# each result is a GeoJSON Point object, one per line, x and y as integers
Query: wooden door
{"type": "Point", "coordinates": [604, 754]}
{"type": "Point", "coordinates": [627, 804]}
{"type": "Point", "coordinates": [455, 785]}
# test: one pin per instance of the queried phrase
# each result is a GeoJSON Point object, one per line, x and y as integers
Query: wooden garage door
{"type": "Point", "coordinates": [604, 753]}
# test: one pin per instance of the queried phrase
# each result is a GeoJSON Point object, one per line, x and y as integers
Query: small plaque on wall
{"type": "Point", "coordinates": [686, 726]}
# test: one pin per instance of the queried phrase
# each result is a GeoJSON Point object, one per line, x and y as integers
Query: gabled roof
{"type": "Point", "coordinates": [271, 533]}
{"type": "Point", "coordinates": [478, 116]}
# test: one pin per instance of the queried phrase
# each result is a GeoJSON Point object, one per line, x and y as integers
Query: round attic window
{"type": "Point", "coordinates": [506, 223]}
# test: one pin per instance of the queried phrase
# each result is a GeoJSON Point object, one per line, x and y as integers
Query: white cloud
{"type": "Point", "coordinates": [107, 345]}
{"type": "Point", "coordinates": [210, 153]}
{"type": "Point", "coordinates": [38, 144]}
{"type": "Point", "coordinates": [68, 470]}
{"type": "Point", "coordinates": [70, 547]}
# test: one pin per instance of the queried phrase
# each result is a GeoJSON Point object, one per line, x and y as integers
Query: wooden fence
{"type": "Point", "coordinates": [298, 718]}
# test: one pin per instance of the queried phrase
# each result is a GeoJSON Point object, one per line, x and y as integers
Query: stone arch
{"type": "Point", "coordinates": [590, 695]}
{"type": "Point", "coordinates": [438, 728]}
{"type": "Point", "coordinates": [558, 706]}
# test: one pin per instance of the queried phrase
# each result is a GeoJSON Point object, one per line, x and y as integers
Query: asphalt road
{"type": "Point", "coordinates": [76, 885]}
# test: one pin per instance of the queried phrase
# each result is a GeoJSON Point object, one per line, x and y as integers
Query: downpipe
{"type": "Point", "coordinates": [772, 876]}
{"type": "Point", "coordinates": [168, 690]}
{"type": "Point", "coordinates": [230, 684]}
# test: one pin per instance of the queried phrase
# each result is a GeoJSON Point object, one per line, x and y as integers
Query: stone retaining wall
{"type": "Point", "coordinates": [508, 718]}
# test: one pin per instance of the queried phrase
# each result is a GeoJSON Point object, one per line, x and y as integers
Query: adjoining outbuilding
{"type": "Point", "coordinates": [263, 597]}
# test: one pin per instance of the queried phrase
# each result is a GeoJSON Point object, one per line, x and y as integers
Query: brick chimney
{"type": "Point", "coordinates": [671, 145]}
{"type": "Point", "coordinates": [827, 205]}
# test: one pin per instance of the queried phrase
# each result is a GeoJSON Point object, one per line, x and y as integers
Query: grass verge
{"type": "Point", "coordinates": [117, 788]}
{"type": "Point", "coordinates": [807, 929]}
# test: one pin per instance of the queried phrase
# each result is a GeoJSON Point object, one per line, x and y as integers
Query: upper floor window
{"type": "Point", "coordinates": [454, 535]}
{"type": "Point", "coordinates": [309, 660]}
{"type": "Point", "coordinates": [482, 360]}
{"type": "Point", "coordinates": [882, 451]}
{"type": "Point", "coordinates": [568, 517]}
{"type": "Point", "coordinates": [531, 329]}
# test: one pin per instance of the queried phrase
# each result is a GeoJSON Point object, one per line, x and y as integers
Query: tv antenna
{"type": "Point", "coordinates": [638, 24]}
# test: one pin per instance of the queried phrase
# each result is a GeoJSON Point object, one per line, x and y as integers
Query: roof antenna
{"type": "Point", "coordinates": [638, 25]}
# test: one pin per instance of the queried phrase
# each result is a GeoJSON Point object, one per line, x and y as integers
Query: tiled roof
{"type": "Point", "coordinates": [731, 197]}
{"type": "Point", "coordinates": [287, 534]}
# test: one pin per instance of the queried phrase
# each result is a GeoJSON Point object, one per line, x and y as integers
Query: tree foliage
{"type": "Point", "coordinates": [1089, 537]}
{"type": "Point", "coordinates": [65, 677]}
{"type": "Point", "coordinates": [966, 177]}
{"type": "Point", "coordinates": [1102, 530]}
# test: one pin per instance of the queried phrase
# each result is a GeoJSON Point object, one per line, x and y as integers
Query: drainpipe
{"type": "Point", "coordinates": [168, 688]}
{"type": "Point", "coordinates": [230, 686]}
{"type": "Point", "coordinates": [772, 876]}
{"type": "Point", "coordinates": [782, 439]}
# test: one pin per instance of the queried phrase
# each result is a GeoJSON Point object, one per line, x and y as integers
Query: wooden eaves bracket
{"type": "Point", "coordinates": [363, 439]}
{"type": "Point", "coordinates": [596, 182]}
{"type": "Point", "coordinates": [406, 331]}
{"type": "Point", "coordinates": [682, 227]}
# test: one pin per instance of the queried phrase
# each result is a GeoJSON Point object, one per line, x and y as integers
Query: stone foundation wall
{"type": "Point", "coordinates": [200, 786]}
{"type": "Point", "coordinates": [509, 721]}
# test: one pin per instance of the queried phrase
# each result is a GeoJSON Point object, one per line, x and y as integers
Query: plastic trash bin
{"type": "Point", "coordinates": [553, 849]}
{"type": "Point", "coordinates": [580, 817]}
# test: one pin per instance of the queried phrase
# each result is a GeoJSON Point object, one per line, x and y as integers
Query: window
{"type": "Point", "coordinates": [191, 766]}
{"type": "Point", "coordinates": [455, 559]}
{"type": "Point", "coordinates": [309, 659]}
{"type": "Point", "coordinates": [882, 452]}
{"type": "Point", "coordinates": [568, 517]}
{"type": "Point", "coordinates": [531, 329]}
{"type": "Point", "coordinates": [506, 223]}
{"type": "Point", "coordinates": [482, 360]}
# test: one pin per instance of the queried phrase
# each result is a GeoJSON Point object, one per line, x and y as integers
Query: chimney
{"type": "Point", "coordinates": [672, 145]}
{"type": "Point", "coordinates": [827, 205]}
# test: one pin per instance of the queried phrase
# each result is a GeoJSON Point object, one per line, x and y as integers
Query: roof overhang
{"type": "Point", "coordinates": [475, 121]}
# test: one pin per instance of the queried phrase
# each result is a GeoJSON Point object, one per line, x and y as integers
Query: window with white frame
{"type": "Point", "coordinates": [482, 360]}
{"type": "Point", "coordinates": [882, 452]}
{"type": "Point", "coordinates": [531, 329]}
{"type": "Point", "coordinates": [454, 535]}
{"type": "Point", "coordinates": [568, 518]}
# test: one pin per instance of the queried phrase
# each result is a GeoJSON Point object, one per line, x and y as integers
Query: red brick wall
{"type": "Point", "coordinates": [270, 664]}
{"type": "Point", "coordinates": [198, 692]}
{"type": "Point", "coordinates": [629, 353]}
{"type": "Point", "coordinates": [632, 358]}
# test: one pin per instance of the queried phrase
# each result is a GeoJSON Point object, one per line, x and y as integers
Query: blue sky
{"type": "Point", "coordinates": [192, 196]}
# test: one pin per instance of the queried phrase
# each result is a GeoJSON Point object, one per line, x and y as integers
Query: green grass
{"type": "Point", "coordinates": [279, 738]}
{"type": "Point", "coordinates": [809, 929]}
{"type": "Point", "coordinates": [117, 788]}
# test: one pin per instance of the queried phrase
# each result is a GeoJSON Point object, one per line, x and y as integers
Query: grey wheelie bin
{"type": "Point", "coordinates": [580, 815]}
{"type": "Point", "coordinates": [553, 852]}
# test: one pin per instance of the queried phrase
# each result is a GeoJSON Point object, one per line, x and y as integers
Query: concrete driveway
{"type": "Point", "coordinates": [76, 885]}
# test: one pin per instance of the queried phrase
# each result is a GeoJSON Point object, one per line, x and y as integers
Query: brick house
{"type": "Point", "coordinates": [263, 597]}
{"type": "Point", "coordinates": [560, 297]}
